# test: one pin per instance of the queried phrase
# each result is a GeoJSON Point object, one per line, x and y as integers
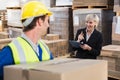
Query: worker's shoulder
{"type": "Point", "coordinates": [5, 50]}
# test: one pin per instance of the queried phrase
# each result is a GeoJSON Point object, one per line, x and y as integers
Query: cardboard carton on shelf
{"type": "Point", "coordinates": [111, 53]}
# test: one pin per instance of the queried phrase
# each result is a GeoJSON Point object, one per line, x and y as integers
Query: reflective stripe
{"type": "Point", "coordinates": [15, 56]}
{"type": "Point", "coordinates": [21, 53]}
{"type": "Point", "coordinates": [28, 21]}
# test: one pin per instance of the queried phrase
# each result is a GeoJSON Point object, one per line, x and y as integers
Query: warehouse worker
{"type": "Point", "coordinates": [90, 40]}
{"type": "Point", "coordinates": [29, 47]}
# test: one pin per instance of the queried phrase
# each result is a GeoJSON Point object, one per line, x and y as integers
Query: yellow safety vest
{"type": "Point", "coordinates": [24, 53]}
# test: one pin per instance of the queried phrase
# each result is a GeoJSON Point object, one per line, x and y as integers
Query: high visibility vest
{"type": "Point", "coordinates": [24, 53]}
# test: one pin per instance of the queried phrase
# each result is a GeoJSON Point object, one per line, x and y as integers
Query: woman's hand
{"type": "Point", "coordinates": [80, 37]}
{"type": "Point", "coordinates": [85, 47]}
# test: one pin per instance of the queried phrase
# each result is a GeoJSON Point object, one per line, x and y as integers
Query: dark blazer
{"type": "Point", "coordinates": [95, 41]}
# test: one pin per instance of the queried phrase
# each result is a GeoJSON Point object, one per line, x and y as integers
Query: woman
{"type": "Point", "coordinates": [90, 39]}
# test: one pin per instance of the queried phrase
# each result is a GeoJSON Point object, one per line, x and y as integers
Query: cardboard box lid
{"type": "Point", "coordinates": [66, 65]}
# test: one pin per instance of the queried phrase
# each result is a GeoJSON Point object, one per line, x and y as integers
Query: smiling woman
{"type": "Point", "coordinates": [92, 19]}
{"type": "Point", "coordinates": [91, 38]}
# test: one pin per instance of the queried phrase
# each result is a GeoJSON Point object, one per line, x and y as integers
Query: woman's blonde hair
{"type": "Point", "coordinates": [93, 17]}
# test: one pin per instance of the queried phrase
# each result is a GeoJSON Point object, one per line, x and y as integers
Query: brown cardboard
{"type": "Point", "coordinates": [4, 42]}
{"type": "Point", "coordinates": [58, 69]}
{"type": "Point", "coordinates": [58, 47]}
{"type": "Point", "coordinates": [111, 53]}
{"type": "Point", "coordinates": [111, 50]}
{"type": "Point", "coordinates": [4, 35]}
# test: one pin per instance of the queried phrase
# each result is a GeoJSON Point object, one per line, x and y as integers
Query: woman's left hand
{"type": "Point", "coordinates": [86, 47]}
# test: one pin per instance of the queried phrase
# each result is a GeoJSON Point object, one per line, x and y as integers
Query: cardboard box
{"type": "Point", "coordinates": [62, 22]}
{"type": "Point", "coordinates": [47, 3]}
{"type": "Point", "coordinates": [4, 42]}
{"type": "Point", "coordinates": [58, 47]}
{"type": "Point", "coordinates": [14, 16]}
{"type": "Point", "coordinates": [111, 53]}
{"type": "Point", "coordinates": [116, 6]}
{"type": "Point", "coordinates": [4, 35]}
{"type": "Point", "coordinates": [111, 50]}
{"type": "Point", "coordinates": [51, 37]}
{"type": "Point", "coordinates": [58, 69]}
{"type": "Point", "coordinates": [64, 2]}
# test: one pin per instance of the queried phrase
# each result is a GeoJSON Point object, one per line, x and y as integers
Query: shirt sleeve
{"type": "Point", "coordinates": [6, 58]}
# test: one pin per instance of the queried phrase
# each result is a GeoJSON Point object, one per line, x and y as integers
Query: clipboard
{"type": "Point", "coordinates": [74, 44]}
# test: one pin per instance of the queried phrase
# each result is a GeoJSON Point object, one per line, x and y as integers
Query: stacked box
{"type": "Point", "coordinates": [89, 2]}
{"type": "Point", "coordinates": [4, 35]}
{"type": "Point", "coordinates": [79, 3]}
{"type": "Point", "coordinates": [14, 32]}
{"type": "Point", "coordinates": [3, 24]}
{"type": "Point", "coordinates": [4, 42]}
{"type": "Point", "coordinates": [10, 3]}
{"type": "Point", "coordinates": [117, 5]}
{"type": "Point", "coordinates": [14, 17]}
{"type": "Point", "coordinates": [114, 74]}
{"type": "Point", "coordinates": [3, 15]}
{"type": "Point", "coordinates": [64, 2]}
{"type": "Point", "coordinates": [48, 3]}
{"type": "Point", "coordinates": [52, 37]}
{"type": "Point", "coordinates": [5, 30]}
{"type": "Point", "coordinates": [107, 3]}
{"type": "Point", "coordinates": [105, 24]}
{"type": "Point", "coordinates": [58, 47]}
{"type": "Point", "coordinates": [61, 22]}
{"type": "Point", "coordinates": [116, 30]}
{"type": "Point", "coordinates": [1, 27]}
{"type": "Point", "coordinates": [111, 53]}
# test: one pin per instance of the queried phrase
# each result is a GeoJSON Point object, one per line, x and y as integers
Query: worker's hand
{"type": "Point", "coordinates": [80, 37]}
{"type": "Point", "coordinates": [85, 47]}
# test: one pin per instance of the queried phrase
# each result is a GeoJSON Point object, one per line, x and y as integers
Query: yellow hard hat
{"type": "Point", "coordinates": [34, 9]}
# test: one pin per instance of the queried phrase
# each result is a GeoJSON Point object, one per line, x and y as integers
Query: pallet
{"type": "Point", "coordinates": [14, 26]}
{"type": "Point", "coordinates": [3, 14]}
{"type": "Point", "coordinates": [4, 42]}
{"type": "Point", "coordinates": [64, 6]}
{"type": "Point", "coordinates": [13, 7]}
{"type": "Point", "coordinates": [89, 7]}
{"type": "Point", "coordinates": [114, 74]}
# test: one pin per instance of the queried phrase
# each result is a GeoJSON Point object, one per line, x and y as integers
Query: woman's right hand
{"type": "Point", "coordinates": [80, 37]}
